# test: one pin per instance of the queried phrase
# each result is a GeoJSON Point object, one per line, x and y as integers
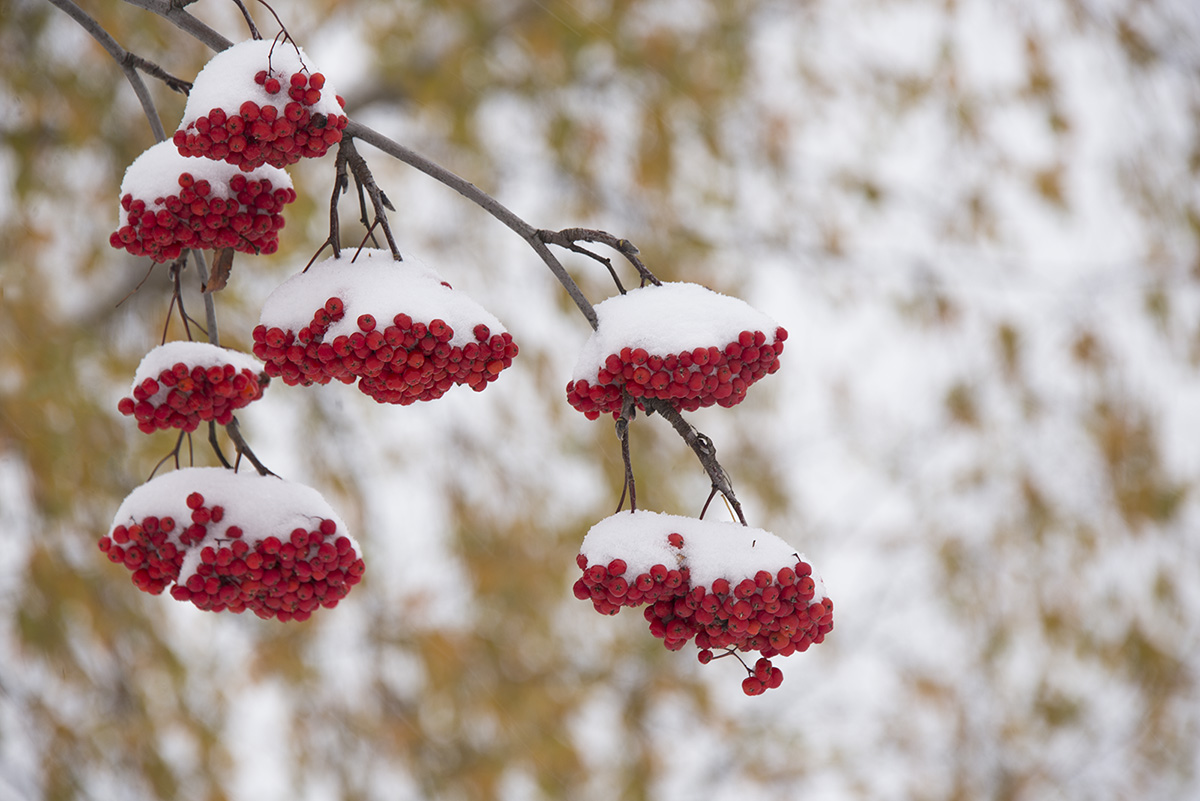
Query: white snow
{"type": "Point", "coordinates": [227, 80]}
{"type": "Point", "coordinates": [711, 550]}
{"type": "Point", "coordinates": [262, 506]}
{"type": "Point", "coordinates": [668, 319]}
{"type": "Point", "coordinates": [193, 354]}
{"type": "Point", "coordinates": [155, 174]}
{"type": "Point", "coordinates": [374, 283]}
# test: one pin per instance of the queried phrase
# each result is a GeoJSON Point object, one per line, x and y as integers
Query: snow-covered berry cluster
{"type": "Point", "coordinates": [259, 103]}
{"type": "Point", "coordinates": [169, 203]}
{"type": "Point", "coordinates": [725, 587]}
{"type": "Point", "coordinates": [182, 384]}
{"type": "Point", "coordinates": [236, 542]}
{"type": "Point", "coordinates": [396, 328]}
{"type": "Point", "coordinates": [680, 343]}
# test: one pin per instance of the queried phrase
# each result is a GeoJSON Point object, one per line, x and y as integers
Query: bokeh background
{"type": "Point", "coordinates": [978, 220]}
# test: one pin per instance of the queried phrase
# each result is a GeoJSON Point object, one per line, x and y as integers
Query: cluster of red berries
{"type": "Point", "coordinates": [689, 380]}
{"type": "Point", "coordinates": [182, 397]}
{"type": "Point", "coordinates": [279, 133]}
{"type": "Point", "coordinates": [247, 218]}
{"type": "Point", "coordinates": [405, 362]}
{"type": "Point", "coordinates": [771, 614]}
{"type": "Point", "coordinates": [285, 579]}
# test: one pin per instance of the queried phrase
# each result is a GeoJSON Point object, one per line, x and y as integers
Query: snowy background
{"type": "Point", "coordinates": [978, 223]}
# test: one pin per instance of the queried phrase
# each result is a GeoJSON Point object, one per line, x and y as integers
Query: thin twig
{"type": "Point", "coordinates": [173, 12]}
{"type": "Point", "coordinates": [216, 446]}
{"type": "Point", "coordinates": [210, 307]}
{"type": "Point", "coordinates": [480, 198]}
{"type": "Point", "coordinates": [234, 431]}
{"type": "Point", "coordinates": [569, 236]}
{"type": "Point", "coordinates": [365, 180]}
{"type": "Point", "coordinates": [628, 411]}
{"type": "Point", "coordinates": [254, 34]}
{"type": "Point", "coordinates": [704, 449]}
{"type": "Point", "coordinates": [122, 57]}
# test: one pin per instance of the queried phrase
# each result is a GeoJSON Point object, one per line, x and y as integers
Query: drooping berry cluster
{"type": "Point", "coordinates": [282, 578]}
{"type": "Point", "coordinates": [169, 203]}
{"type": "Point", "coordinates": [774, 615]}
{"type": "Point", "coordinates": [397, 329]}
{"type": "Point", "coordinates": [403, 363]}
{"type": "Point", "coordinates": [206, 383]}
{"type": "Point", "coordinates": [690, 379]}
{"type": "Point", "coordinates": [284, 115]}
{"type": "Point", "coordinates": [676, 342]}
{"type": "Point", "coordinates": [219, 565]}
{"type": "Point", "coordinates": [707, 583]}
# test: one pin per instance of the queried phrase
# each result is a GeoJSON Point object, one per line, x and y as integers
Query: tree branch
{"type": "Point", "coordinates": [124, 59]}
{"type": "Point", "coordinates": [172, 11]}
{"type": "Point", "coordinates": [484, 201]}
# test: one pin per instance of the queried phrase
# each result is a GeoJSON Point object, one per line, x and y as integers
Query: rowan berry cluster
{"type": "Point", "coordinates": [771, 614]}
{"type": "Point", "coordinates": [185, 394]}
{"type": "Point", "coordinates": [285, 114]}
{"type": "Point", "coordinates": [227, 566]}
{"type": "Point", "coordinates": [223, 209]}
{"type": "Point", "coordinates": [689, 379]}
{"type": "Point", "coordinates": [405, 362]}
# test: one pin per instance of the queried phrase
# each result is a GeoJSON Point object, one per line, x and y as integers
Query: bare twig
{"type": "Point", "coordinates": [254, 34]}
{"type": "Point", "coordinates": [568, 237]}
{"type": "Point", "coordinates": [628, 411]}
{"type": "Point", "coordinates": [704, 449]}
{"type": "Point", "coordinates": [216, 446]}
{"type": "Point", "coordinates": [123, 59]}
{"type": "Point", "coordinates": [235, 433]}
{"type": "Point", "coordinates": [173, 12]}
{"type": "Point", "coordinates": [481, 199]}
{"type": "Point", "coordinates": [365, 180]}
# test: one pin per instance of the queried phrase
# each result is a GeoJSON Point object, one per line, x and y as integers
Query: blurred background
{"type": "Point", "coordinates": [979, 222]}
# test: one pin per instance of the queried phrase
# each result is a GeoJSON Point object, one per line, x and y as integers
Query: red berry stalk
{"type": "Point", "coordinates": [182, 384]}
{"type": "Point", "coordinates": [258, 103]}
{"type": "Point", "coordinates": [679, 343]}
{"type": "Point", "coordinates": [169, 203]}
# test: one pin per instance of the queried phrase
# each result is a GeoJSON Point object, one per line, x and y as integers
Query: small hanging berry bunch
{"type": "Point", "coordinates": [169, 203]}
{"type": "Point", "coordinates": [677, 342]}
{"type": "Point", "coordinates": [259, 102]}
{"type": "Point", "coordinates": [181, 384]}
{"type": "Point", "coordinates": [230, 541]}
{"type": "Point", "coordinates": [398, 329]}
{"type": "Point", "coordinates": [728, 587]}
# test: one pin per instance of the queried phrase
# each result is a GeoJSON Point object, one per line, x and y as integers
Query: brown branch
{"type": "Point", "coordinates": [704, 449]}
{"type": "Point", "coordinates": [484, 201]}
{"type": "Point", "coordinates": [568, 237]}
{"type": "Point", "coordinates": [123, 58]}
{"type": "Point", "coordinates": [365, 180]}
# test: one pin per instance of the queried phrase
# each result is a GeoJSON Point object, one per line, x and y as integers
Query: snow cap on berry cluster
{"type": "Point", "coordinates": [227, 80]}
{"type": "Point", "coordinates": [372, 282]}
{"type": "Point", "coordinates": [666, 319]}
{"type": "Point", "coordinates": [181, 384]}
{"type": "Point", "coordinates": [261, 506]}
{"type": "Point", "coordinates": [710, 550]}
{"type": "Point", "coordinates": [193, 354]}
{"type": "Point", "coordinates": [154, 176]}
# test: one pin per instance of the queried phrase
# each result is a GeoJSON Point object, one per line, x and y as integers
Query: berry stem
{"type": "Point", "coordinates": [365, 180]}
{"type": "Point", "coordinates": [568, 237]}
{"type": "Point", "coordinates": [233, 429]}
{"type": "Point", "coordinates": [628, 411]}
{"type": "Point", "coordinates": [704, 449]}
{"type": "Point", "coordinates": [254, 34]}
